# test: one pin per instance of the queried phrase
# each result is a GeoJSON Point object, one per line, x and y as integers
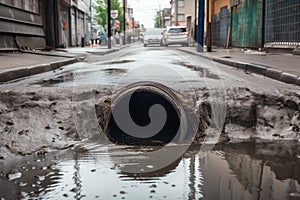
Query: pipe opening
{"type": "Point", "coordinates": [139, 105]}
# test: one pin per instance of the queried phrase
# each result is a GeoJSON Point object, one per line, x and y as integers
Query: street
{"type": "Point", "coordinates": [62, 148]}
{"type": "Point", "coordinates": [135, 57]}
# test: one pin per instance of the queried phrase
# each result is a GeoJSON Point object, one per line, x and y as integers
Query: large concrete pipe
{"type": "Point", "coordinates": [142, 97]}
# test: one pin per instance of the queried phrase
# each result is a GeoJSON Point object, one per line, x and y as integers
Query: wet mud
{"type": "Point", "coordinates": [38, 120]}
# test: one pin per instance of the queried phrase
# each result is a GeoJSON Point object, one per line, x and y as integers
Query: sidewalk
{"type": "Point", "coordinates": [26, 63]}
{"type": "Point", "coordinates": [281, 67]}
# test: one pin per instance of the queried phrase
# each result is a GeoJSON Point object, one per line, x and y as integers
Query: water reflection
{"type": "Point", "coordinates": [204, 72]}
{"type": "Point", "coordinates": [250, 170]}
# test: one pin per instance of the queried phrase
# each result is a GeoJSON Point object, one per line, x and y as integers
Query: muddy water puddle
{"type": "Point", "coordinates": [205, 72]}
{"type": "Point", "coordinates": [233, 171]}
{"type": "Point", "coordinates": [68, 77]}
{"type": "Point", "coordinates": [105, 76]}
{"type": "Point", "coordinates": [71, 79]}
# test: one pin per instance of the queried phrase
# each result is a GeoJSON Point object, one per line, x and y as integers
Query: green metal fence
{"type": "Point", "coordinates": [282, 21]}
{"type": "Point", "coordinates": [247, 24]}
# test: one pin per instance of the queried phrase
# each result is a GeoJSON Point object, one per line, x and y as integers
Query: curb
{"type": "Point", "coordinates": [41, 68]}
{"type": "Point", "coordinates": [288, 78]}
{"type": "Point", "coordinates": [52, 55]}
{"type": "Point", "coordinates": [257, 69]}
{"type": "Point", "coordinates": [254, 68]}
{"type": "Point", "coordinates": [35, 69]}
{"type": "Point", "coordinates": [298, 81]}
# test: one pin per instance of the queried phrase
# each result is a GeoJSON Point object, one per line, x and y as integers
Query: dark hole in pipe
{"type": "Point", "coordinates": [139, 105]}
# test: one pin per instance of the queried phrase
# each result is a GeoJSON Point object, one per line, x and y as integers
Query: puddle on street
{"type": "Point", "coordinates": [67, 77]}
{"type": "Point", "coordinates": [204, 71]}
{"type": "Point", "coordinates": [111, 73]}
{"type": "Point", "coordinates": [232, 171]}
{"type": "Point", "coordinates": [226, 57]}
{"type": "Point", "coordinates": [115, 71]}
{"type": "Point", "coordinates": [118, 62]}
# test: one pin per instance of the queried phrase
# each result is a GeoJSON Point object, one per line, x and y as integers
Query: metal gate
{"type": "Point", "coordinates": [220, 24]}
{"type": "Point", "coordinates": [247, 24]}
{"type": "Point", "coordinates": [224, 25]}
{"type": "Point", "coordinates": [283, 22]}
{"type": "Point", "coordinates": [216, 30]}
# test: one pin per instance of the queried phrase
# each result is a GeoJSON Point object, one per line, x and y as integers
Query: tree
{"type": "Point", "coordinates": [157, 20]}
{"type": "Point", "coordinates": [101, 12]}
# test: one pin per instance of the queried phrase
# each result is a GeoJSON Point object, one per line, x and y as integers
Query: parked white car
{"type": "Point", "coordinates": [153, 36]}
{"type": "Point", "coordinates": [176, 35]}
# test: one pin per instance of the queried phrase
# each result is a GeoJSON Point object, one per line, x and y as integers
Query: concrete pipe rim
{"type": "Point", "coordinates": [166, 93]}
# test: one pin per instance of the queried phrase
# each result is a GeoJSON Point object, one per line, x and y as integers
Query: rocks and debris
{"type": "Point", "coordinates": [14, 174]}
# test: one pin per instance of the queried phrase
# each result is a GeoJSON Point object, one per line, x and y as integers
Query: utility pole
{"type": "Point", "coordinates": [200, 33]}
{"type": "Point", "coordinates": [50, 37]}
{"type": "Point", "coordinates": [108, 25]}
{"type": "Point", "coordinates": [208, 26]}
{"type": "Point", "coordinates": [263, 24]}
{"type": "Point", "coordinates": [91, 20]}
{"type": "Point", "coordinates": [56, 23]}
{"type": "Point", "coordinates": [124, 21]}
{"type": "Point", "coordinates": [176, 12]}
{"type": "Point", "coordinates": [195, 27]}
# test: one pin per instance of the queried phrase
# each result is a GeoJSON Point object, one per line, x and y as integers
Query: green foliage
{"type": "Point", "coordinates": [157, 20]}
{"type": "Point", "coordinates": [101, 12]}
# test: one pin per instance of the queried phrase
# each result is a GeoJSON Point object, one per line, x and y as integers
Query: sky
{"type": "Point", "coordinates": [144, 10]}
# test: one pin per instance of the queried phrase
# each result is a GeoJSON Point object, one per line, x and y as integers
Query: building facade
{"type": "Point", "coordinates": [37, 24]}
{"type": "Point", "coordinates": [182, 12]}
{"type": "Point", "coordinates": [22, 24]}
{"type": "Point", "coordinates": [165, 17]}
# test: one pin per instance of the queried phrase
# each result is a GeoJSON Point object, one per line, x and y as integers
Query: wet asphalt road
{"type": "Point", "coordinates": [166, 65]}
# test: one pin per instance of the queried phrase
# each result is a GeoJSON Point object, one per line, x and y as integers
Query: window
{"type": "Point", "coordinates": [181, 3]}
{"type": "Point", "coordinates": [181, 17]}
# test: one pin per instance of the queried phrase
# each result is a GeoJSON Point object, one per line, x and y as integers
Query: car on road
{"type": "Point", "coordinates": [176, 35]}
{"type": "Point", "coordinates": [153, 36]}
